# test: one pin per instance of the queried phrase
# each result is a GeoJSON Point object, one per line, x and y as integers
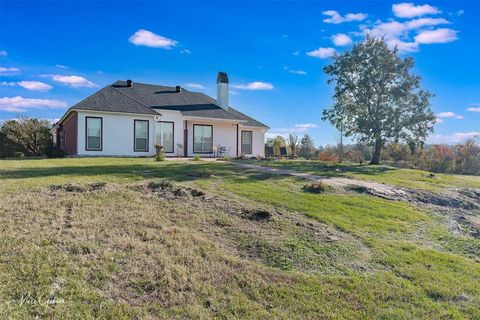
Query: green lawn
{"type": "Point", "coordinates": [126, 252]}
{"type": "Point", "coordinates": [408, 178]}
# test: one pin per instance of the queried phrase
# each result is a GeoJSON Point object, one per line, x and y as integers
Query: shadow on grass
{"type": "Point", "coordinates": [324, 168]}
{"type": "Point", "coordinates": [173, 171]}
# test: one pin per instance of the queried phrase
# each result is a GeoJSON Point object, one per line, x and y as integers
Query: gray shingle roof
{"type": "Point", "coordinates": [142, 98]}
{"type": "Point", "coordinates": [110, 99]}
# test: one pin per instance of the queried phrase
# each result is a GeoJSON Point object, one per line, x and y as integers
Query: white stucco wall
{"type": "Point", "coordinates": [177, 119]}
{"type": "Point", "coordinates": [224, 134]}
{"type": "Point", "coordinates": [117, 137]}
{"type": "Point", "coordinates": [258, 140]}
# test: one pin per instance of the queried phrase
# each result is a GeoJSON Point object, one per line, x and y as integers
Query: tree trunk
{"type": "Point", "coordinates": [376, 152]}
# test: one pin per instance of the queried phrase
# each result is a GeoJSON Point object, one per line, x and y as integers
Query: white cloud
{"type": "Point", "coordinates": [29, 85]}
{"type": "Point", "coordinates": [460, 12]}
{"type": "Point", "coordinates": [61, 66]}
{"type": "Point", "coordinates": [473, 109]}
{"type": "Point", "coordinates": [456, 137]}
{"type": "Point", "coordinates": [20, 104]}
{"type": "Point", "coordinates": [424, 22]}
{"type": "Point", "coordinates": [321, 53]}
{"type": "Point", "coordinates": [449, 114]}
{"type": "Point", "coordinates": [439, 120]}
{"type": "Point", "coordinates": [409, 10]}
{"type": "Point", "coordinates": [3, 53]}
{"type": "Point", "coordinates": [185, 51]}
{"type": "Point", "coordinates": [336, 18]}
{"type": "Point", "coordinates": [5, 71]}
{"type": "Point", "coordinates": [398, 33]}
{"type": "Point", "coordinates": [256, 85]}
{"type": "Point", "coordinates": [72, 80]}
{"type": "Point", "coordinates": [442, 35]}
{"type": "Point", "coordinates": [341, 39]}
{"type": "Point", "coordinates": [194, 85]}
{"type": "Point", "coordinates": [147, 38]}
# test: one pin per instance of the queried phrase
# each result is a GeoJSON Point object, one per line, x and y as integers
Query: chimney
{"type": "Point", "coordinates": [222, 90]}
{"type": "Point", "coordinates": [129, 83]}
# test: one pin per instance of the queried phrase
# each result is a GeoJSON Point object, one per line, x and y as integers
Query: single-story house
{"type": "Point", "coordinates": [129, 119]}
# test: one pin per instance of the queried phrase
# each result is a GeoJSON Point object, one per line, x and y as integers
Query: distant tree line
{"type": "Point", "coordinates": [463, 158]}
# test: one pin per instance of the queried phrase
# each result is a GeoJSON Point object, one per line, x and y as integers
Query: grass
{"type": "Point", "coordinates": [126, 252]}
{"type": "Point", "coordinates": [409, 178]}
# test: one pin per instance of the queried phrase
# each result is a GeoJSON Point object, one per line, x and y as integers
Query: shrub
{"type": "Point", "coordinates": [327, 156]}
{"type": "Point", "coordinates": [19, 154]}
{"type": "Point", "coordinates": [316, 187]}
{"type": "Point", "coordinates": [196, 158]}
{"type": "Point", "coordinates": [52, 151]}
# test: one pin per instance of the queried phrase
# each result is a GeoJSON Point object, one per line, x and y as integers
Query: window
{"type": "Point", "coordinates": [93, 133]}
{"type": "Point", "coordinates": [202, 138]}
{"type": "Point", "coordinates": [164, 135]}
{"type": "Point", "coordinates": [141, 135]}
{"type": "Point", "coordinates": [247, 138]}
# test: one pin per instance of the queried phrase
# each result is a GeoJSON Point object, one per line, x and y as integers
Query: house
{"type": "Point", "coordinates": [129, 119]}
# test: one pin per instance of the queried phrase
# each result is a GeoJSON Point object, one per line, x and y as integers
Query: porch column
{"type": "Point", "coordinates": [237, 141]}
{"type": "Point", "coordinates": [185, 139]}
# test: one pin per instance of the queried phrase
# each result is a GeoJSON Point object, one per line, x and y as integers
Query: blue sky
{"type": "Point", "coordinates": [53, 54]}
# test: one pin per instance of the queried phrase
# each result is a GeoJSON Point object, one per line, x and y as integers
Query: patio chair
{"type": "Point", "coordinates": [283, 152]}
{"type": "Point", "coordinates": [270, 153]}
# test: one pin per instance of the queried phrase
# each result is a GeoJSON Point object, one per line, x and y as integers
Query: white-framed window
{"type": "Point", "coordinates": [141, 135]}
{"type": "Point", "coordinates": [93, 133]}
{"type": "Point", "coordinates": [164, 132]}
{"type": "Point", "coordinates": [247, 141]}
{"type": "Point", "coordinates": [202, 138]}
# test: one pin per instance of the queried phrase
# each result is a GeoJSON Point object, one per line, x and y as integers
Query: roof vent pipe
{"type": "Point", "coordinates": [129, 83]}
{"type": "Point", "coordinates": [178, 88]}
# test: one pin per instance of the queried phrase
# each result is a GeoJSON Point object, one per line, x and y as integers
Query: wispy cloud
{"type": "Point", "coordinates": [474, 109]}
{"type": "Point", "coordinates": [3, 53]}
{"type": "Point", "coordinates": [149, 39]}
{"type": "Point", "coordinates": [71, 80]}
{"type": "Point", "coordinates": [341, 39]}
{"type": "Point", "coordinates": [256, 85]}
{"type": "Point", "coordinates": [449, 114]}
{"type": "Point", "coordinates": [61, 66]}
{"type": "Point", "coordinates": [185, 51]}
{"type": "Point", "coordinates": [292, 71]}
{"type": "Point", "coordinates": [409, 10]}
{"type": "Point", "coordinates": [6, 71]}
{"type": "Point", "coordinates": [296, 53]}
{"type": "Point", "coordinates": [321, 53]}
{"type": "Point", "coordinates": [299, 128]}
{"type": "Point", "coordinates": [300, 72]}
{"type": "Point", "coordinates": [20, 104]}
{"type": "Point", "coordinates": [194, 85]}
{"type": "Point", "coordinates": [453, 138]}
{"type": "Point", "coordinates": [335, 18]}
{"type": "Point", "coordinates": [29, 85]}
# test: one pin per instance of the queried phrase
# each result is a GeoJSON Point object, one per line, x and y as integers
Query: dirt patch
{"type": "Point", "coordinates": [78, 188]}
